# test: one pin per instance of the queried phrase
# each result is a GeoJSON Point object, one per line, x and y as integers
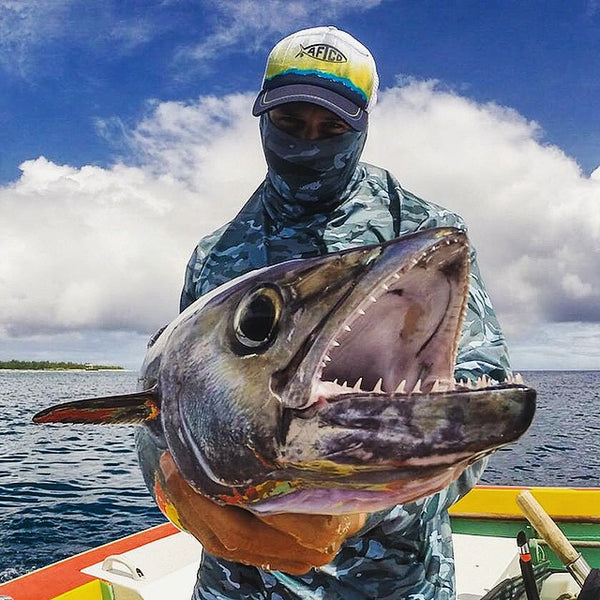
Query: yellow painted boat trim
{"type": "Point", "coordinates": [562, 504]}
{"type": "Point", "coordinates": [93, 590]}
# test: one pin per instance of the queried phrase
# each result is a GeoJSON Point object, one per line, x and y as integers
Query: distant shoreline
{"type": "Point", "coordinates": [46, 365]}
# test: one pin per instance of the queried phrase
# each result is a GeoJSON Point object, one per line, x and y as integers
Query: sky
{"type": "Point", "coordinates": [126, 135]}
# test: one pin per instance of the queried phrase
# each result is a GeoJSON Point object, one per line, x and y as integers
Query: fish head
{"type": "Point", "coordinates": [228, 367]}
{"type": "Point", "coordinates": [326, 385]}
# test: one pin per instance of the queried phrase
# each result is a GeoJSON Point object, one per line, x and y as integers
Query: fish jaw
{"type": "Point", "coordinates": [347, 499]}
{"type": "Point", "coordinates": [365, 452]}
{"type": "Point", "coordinates": [396, 432]}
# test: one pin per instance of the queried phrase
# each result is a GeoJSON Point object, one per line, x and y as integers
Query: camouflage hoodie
{"type": "Point", "coordinates": [404, 552]}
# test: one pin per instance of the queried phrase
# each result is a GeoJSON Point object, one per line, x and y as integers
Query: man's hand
{"type": "Point", "coordinates": [293, 543]}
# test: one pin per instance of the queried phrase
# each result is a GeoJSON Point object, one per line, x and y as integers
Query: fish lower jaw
{"type": "Point", "coordinates": [328, 389]}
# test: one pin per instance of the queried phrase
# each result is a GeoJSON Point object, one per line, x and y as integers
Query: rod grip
{"type": "Point", "coordinates": [554, 537]}
{"type": "Point", "coordinates": [547, 528]}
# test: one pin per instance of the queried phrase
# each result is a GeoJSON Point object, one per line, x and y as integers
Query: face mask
{"type": "Point", "coordinates": [309, 171]}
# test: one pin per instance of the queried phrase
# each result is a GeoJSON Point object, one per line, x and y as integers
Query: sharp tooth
{"type": "Point", "coordinates": [481, 383]}
{"type": "Point", "coordinates": [357, 386]}
{"type": "Point", "coordinates": [335, 344]}
{"type": "Point", "coordinates": [372, 299]}
{"type": "Point", "coordinates": [347, 328]}
{"type": "Point", "coordinates": [386, 287]}
{"type": "Point", "coordinates": [436, 386]}
{"type": "Point", "coordinates": [345, 384]}
{"type": "Point", "coordinates": [417, 388]}
{"type": "Point", "coordinates": [361, 311]}
{"type": "Point", "coordinates": [401, 387]}
{"type": "Point", "coordinates": [327, 358]}
{"type": "Point", "coordinates": [518, 378]}
{"type": "Point", "coordinates": [396, 276]}
{"type": "Point", "coordinates": [377, 387]}
{"type": "Point", "coordinates": [336, 381]}
{"type": "Point", "coordinates": [470, 384]}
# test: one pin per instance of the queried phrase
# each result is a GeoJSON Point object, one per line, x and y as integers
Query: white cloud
{"type": "Point", "coordinates": [253, 23]}
{"type": "Point", "coordinates": [91, 249]}
{"type": "Point", "coordinates": [532, 214]}
{"type": "Point", "coordinates": [562, 346]}
{"type": "Point", "coordinates": [88, 248]}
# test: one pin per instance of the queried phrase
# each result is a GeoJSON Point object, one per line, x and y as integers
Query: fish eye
{"type": "Point", "coordinates": [257, 317]}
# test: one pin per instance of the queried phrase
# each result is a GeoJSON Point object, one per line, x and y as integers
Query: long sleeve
{"type": "Point", "coordinates": [482, 349]}
{"type": "Point", "coordinates": [194, 267]}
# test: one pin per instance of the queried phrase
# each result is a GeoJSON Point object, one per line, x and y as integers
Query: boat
{"type": "Point", "coordinates": [162, 562]}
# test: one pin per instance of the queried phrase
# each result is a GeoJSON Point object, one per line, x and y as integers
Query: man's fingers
{"type": "Point", "coordinates": [237, 534]}
{"type": "Point", "coordinates": [319, 532]}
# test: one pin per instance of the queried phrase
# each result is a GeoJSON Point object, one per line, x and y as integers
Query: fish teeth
{"type": "Point", "coordinates": [436, 386]}
{"type": "Point", "coordinates": [372, 299]}
{"type": "Point", "coordinates": [417, 388]}
{"type": "Point", "coordinates": [361, 311]}
{"type": "Point", "coordinates": [401, 389]}
{"type": "Point", "coordinates": [347, 328]}
{"type": "Point", "coordinates": [357, 386]}
{"type": "Point", "coordinates": [378, 385]}
{"type": "Point", "coordinates": [335, 343]}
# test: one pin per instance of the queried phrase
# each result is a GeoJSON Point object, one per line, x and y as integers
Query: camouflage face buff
{"type": "Point", "coordinates": [310, 171]}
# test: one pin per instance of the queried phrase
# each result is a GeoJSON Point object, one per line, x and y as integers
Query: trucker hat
{"type": "Point", "coordinates": [325, 66]}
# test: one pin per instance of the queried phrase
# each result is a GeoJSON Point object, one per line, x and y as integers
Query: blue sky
{"type": "Point", "coordinates": [126, 135]}
{"type": "Point", "coordinates": [69, 65]}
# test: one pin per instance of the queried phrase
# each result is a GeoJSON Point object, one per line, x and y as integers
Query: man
{"type": "Point", "coordinates": [319, 87]}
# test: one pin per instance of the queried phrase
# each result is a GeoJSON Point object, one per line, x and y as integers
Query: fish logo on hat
{"type": "Point", "coordinates": [323, 52]}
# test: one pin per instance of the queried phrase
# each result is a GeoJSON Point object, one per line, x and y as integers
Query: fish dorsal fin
{"type": "Point", "coordinates": [124, 409]}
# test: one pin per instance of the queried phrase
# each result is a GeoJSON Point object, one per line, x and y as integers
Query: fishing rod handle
{"type": "Point", "coordinates": [554, 537]}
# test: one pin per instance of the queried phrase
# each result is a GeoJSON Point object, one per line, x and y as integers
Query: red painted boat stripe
{"type": "Point", "coordinates": [51, 581]}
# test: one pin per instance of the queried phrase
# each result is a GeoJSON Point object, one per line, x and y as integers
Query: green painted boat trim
{"type": "Point", "coordinates": [589, 533]}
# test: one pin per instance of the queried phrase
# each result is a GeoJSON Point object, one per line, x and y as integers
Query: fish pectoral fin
{"type": "Point", "coordinates": [124, 409]}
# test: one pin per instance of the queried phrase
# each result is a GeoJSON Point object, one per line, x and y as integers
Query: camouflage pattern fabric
{"type": "Point", "coordinates": [310, 175]}
{"type": "Point", "coordinates": [404, 552]}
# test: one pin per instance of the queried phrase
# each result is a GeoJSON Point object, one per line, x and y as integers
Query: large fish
{"type": "Point", "coordinates": [322, 385]}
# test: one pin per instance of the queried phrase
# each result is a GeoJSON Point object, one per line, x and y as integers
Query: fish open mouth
{"type": "Point", "coordinates": [401, 335]}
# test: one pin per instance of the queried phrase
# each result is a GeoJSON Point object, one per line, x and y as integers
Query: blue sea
{"type": "Point", "coordinates": [67, 488]}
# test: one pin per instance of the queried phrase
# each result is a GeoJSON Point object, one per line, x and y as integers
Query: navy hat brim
{"type": "Point", "coordinates": [355, 116]}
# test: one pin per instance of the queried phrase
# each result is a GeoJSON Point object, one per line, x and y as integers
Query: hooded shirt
{"type": "Point", "coordinates": [318, 198]}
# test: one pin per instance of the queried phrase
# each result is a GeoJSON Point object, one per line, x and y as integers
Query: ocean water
{"type": "Point", "coordinates": [64, 488]}
{"type": "Point", "coordinates": [67, 488]}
